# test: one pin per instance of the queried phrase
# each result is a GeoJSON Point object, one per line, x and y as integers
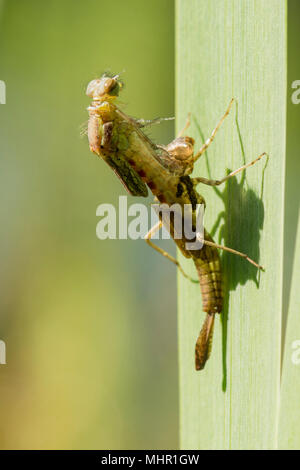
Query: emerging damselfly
{"type": "Point", "coordinates": [139, 163]}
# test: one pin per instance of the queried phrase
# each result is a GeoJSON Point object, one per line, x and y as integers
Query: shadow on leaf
{"type": "Point", "coordinates": [239, 226]}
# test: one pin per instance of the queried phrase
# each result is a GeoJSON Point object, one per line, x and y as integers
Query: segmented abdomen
{"type": "Point", "coordinates": [208, 266]}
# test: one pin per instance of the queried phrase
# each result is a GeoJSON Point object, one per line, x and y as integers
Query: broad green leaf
{"type": "Point", "coordinates": [225, 49]}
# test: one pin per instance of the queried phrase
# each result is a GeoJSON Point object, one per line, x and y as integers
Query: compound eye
{"type": "Point", "coordinates": [108, 85]}
{"type": "Point", "coordinates": [92, 87]}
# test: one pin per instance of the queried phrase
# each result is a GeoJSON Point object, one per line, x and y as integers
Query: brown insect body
{"type": "Point", "coordinates": [119, 140]}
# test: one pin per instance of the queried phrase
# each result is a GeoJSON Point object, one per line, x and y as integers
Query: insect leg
{"type": "Point", "coordinates": [211, 138]}
{"type": "Point", "coordinates": [147, 238]}
{"type": "Point", "coordinates": [233, 173]}
{"type": "Point", "coordinates": [187, 124]}
{"type": "Point", "coordinates": [235, 252]}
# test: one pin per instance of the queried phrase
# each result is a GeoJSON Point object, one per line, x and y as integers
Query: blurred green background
{"type": "Point", "coordinates": [89, 325]}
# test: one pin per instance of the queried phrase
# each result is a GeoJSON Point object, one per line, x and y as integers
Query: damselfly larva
{"type": "Point", "coordinates": [139, 163]}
